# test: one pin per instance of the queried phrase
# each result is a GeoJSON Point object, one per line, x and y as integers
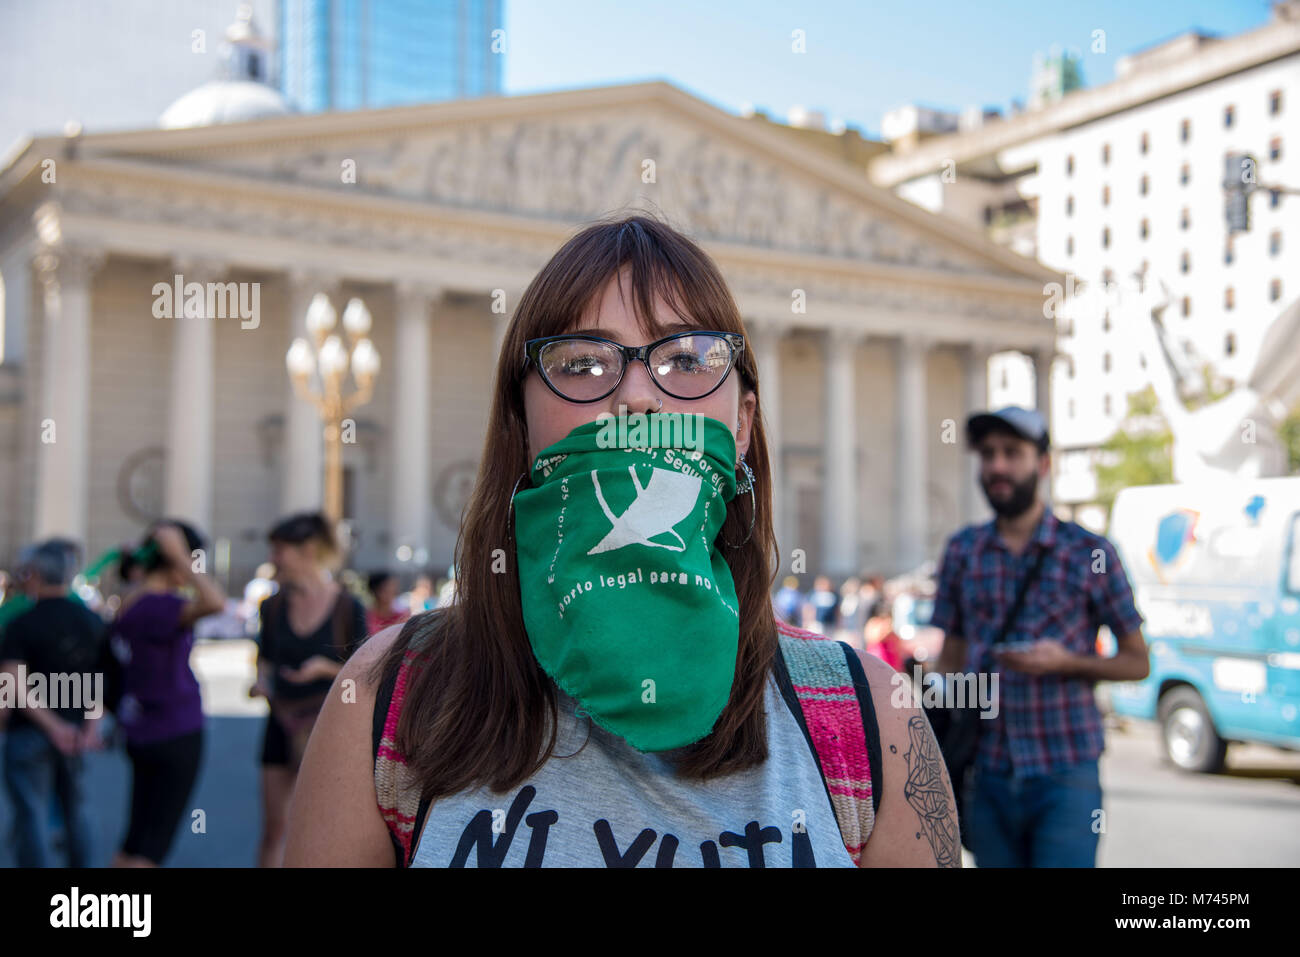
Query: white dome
{"type": "Point", "coordinates": [224, 101]}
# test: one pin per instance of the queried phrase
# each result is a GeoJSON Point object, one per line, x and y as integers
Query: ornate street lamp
{"type": "Point", "coordinates": [329, 357]}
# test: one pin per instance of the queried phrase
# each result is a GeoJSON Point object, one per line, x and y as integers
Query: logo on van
{"type": "Point", "coordinates": [1175, 535]}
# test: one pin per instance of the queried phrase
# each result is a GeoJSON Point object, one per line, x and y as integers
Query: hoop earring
{"type": "Point", "coordinates": [747, 485]}
{"type": "Point", "coordinates": [511, 509]}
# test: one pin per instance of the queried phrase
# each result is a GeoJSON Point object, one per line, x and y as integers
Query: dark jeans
{"type": "Point", "coordinates": [34, 768]}
{"type": "Point", "coordinates": [1041, 821]}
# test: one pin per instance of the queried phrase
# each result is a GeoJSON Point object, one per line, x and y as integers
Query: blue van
{"type": "Point", "coordinates": [1215, 569]}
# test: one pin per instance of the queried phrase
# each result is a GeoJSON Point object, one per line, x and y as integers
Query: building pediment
{"type": "Point", "coordinates": [580, 155]}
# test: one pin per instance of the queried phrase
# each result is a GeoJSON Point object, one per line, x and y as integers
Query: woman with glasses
{"type": "Point", "coordinates": [604, 689]}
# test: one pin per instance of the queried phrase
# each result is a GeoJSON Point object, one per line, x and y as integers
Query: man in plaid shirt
{"type": "Point", "coordinates": [1035, 790]}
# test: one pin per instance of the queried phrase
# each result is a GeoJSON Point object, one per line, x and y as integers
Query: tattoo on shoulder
{"type": "Point", "coordinates": [926, 792]}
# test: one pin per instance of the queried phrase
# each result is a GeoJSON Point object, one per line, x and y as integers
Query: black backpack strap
{"type": "Point", "coordinates": [1021, 594]}
{"type": "Point", "coordinates": [870, 724]}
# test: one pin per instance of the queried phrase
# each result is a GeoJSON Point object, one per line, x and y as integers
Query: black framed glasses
{"type": "Point", "coordinates": [686, 365]}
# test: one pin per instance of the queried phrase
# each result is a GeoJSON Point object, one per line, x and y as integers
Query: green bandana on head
{"type": "Point", "coordinates": [628, 604]}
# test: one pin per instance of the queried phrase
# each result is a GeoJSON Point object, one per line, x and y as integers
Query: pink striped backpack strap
{"type": "Point", "coordinates": [396, 789]}
{"type": "Point", "coordinates": [840, 721]}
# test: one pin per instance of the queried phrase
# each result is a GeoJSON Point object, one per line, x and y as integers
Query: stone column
{"type": "Point", "coordinates": [63, 460]}
{"type": "Point", "coordinates": [410, 515]}
{"type": "Point", "coordinates": [1043, 359]}
{"type": "Point", "coordinates": [840, 516]}
{"type": "Point", "coordinates": [765, 338]}
{"type": "Point", "coordinates": [190, 413]}
{"type": "Point", "coordinates": [911, 444]}
{"type": "Point", "coordinates": [974, 507]}
{"type": "Point", "coordinates": [302, 474]}
{"type": "Point", "coordinates": [1043, 382]}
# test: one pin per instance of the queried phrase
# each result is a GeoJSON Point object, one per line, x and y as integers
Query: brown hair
{"type": "Point", "coordinates": [308, 527]}
{"type": "Point", "coordinates": [476, 707]}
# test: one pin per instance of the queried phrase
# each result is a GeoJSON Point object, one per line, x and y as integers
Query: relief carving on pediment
{"type": "Point", "coordinates": [582, 168]}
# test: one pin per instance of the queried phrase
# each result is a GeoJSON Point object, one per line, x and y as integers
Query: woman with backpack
{"type": "Point", "coordinates": [308, 629]}
{"type": "Point", "coordinates": [610, 686]}
{"type": "Point", "coordinates": [160, 708]}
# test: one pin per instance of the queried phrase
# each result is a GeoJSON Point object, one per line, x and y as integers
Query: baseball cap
{"type": "Point", "coordinates": [1029, 424]}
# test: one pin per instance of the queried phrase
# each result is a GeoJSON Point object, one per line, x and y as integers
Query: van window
{"type": "Point", "coordinates": [1293, 560]}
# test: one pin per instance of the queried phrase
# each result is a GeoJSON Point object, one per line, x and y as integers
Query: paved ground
{"type": "Point", "coordinates": [1156, 816]}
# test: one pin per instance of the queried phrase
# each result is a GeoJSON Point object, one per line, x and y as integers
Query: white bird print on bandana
{"type": "Point", "coordinates": [663, 502]}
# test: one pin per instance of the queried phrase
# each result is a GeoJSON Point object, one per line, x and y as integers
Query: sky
{"type": "Point", "coordinates": [862, 58]}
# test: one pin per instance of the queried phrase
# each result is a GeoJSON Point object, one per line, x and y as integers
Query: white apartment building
{"type": "Point", "coordinates": [1128, 177]}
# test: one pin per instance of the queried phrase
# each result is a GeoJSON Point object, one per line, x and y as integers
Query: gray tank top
{"type": "Point", "coordinates": [606, 804]}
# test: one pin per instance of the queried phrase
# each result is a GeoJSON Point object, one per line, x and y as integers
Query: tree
{"type": "Point", "coordinates": [1139, 453]}
{"type": "Point", "coordinates": [1289, 434]}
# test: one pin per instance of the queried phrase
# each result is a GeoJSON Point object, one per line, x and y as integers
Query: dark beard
{"type": "Point", "coordinates": [1022, 498]}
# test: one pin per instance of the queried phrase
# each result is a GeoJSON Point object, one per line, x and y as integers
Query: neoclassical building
{"type": "Point", "coordinates": [872, 319]}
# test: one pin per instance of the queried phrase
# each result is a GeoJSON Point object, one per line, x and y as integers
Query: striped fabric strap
{"type": "Point", "coordinates": [824, 685]}
{"type": "Point", "coordinates": [395, 786]}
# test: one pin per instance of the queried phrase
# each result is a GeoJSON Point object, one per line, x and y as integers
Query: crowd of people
{"type": "Point", "coordinates": [889, 619]}
{"type": "Point", "coordinates": [132, 617]}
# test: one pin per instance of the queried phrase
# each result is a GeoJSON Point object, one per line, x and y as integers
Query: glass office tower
{"type": "Point", "coordinates": [354, 54]}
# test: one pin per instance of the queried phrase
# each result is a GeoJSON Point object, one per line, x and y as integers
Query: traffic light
{"type": "Point", "coordinates": [1238, 183]}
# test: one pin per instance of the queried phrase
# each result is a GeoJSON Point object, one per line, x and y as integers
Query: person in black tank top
{"type": "Point", "coordinates": [309, 628]}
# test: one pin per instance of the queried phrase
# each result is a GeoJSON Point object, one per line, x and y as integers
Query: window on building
{"type": "Point", "coordinates": [1229, 299]}
{"type": "Point", "coordinates": [1069, 165]}
{"type": "Point", "coordinates": [1107, 275]}
{"type": "Point", "coordinates": [1144, 144]}
{"type": "Point", "coordinates": [1105, 403]}
{"type": "Point", "coordinates": [1275, 242]}
{"type": "Point", "coordinates": [1069, 245]}
{"type": "Point", "coordinates": [1069, 367]}
{"type": "Point", "coordinates": [1229, 251]}
{"type": "Point", "coordinates": [1185, 175]}
{"type": "Point", "coordinates": [1187, 306]}
{"type": "Point", "coordinates": [1004, 377]}
{"type": "Point", "coordinates": [1275, 103]}
{"type": "Point", "coordinates": [1275, 290]}
{"type": "Point", "coordinates": [1070, 408]}
{"type": "Point", "coordinates": [1185, 218]}
{"type": "Point", "coordinates": [1105, 154]}
{"type": "Point", "coordinates": [1227, 116]}
{"type": "Point", "coordinates": [1142, 359]}
{"type": "Point", "coordinates": [1105, 238]}
{"type": "Point", "coordinates": [1144, 185]}
{"type": "Point", "coordinates": [1069, 205]}
{"type": "Point", "coordinates": [1105, 196]}
{"type": "Point", "coordinates": [1274, 198]}
{"type": "Point", "coordinates": [1185, 263]}
{"type": "Point", "coordinates": [1275, 148]}
{"type": "Point", "coordinates": [1105, 362]}
{"type": "Point", "coordinates": [1144, 230]}
{"type": "Point", "coordinates": [1229, 344]}
{"type": "Point", "coordinates": [1185, 131]}
{"type": "Point", "coordinates": [1105, 323]}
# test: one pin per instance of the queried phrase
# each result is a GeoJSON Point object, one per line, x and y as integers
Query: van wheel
{"type": "Point", "coordinates": [1188, 733]}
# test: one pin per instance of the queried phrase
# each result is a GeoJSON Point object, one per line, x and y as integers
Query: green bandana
{"type": "Point", "coordinates": [627, 603]}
